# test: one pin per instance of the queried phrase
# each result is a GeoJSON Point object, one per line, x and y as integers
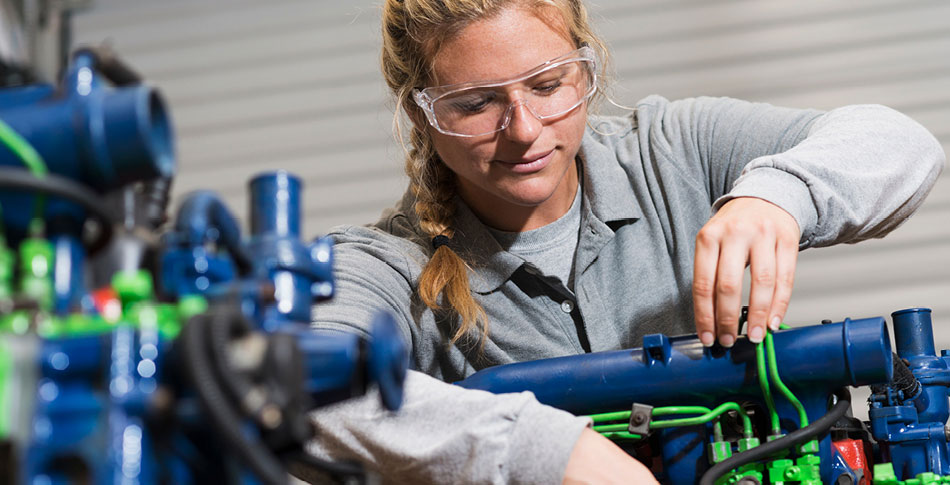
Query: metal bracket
{"type": "Point", "coordinates": [640, 416]}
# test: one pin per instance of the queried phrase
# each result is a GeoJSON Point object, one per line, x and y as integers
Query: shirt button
{"type": "Point", "coordinates": [567, 306]}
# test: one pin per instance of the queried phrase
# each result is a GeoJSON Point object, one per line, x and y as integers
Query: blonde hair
{"type": "Point", "coordinates": [413, 32]}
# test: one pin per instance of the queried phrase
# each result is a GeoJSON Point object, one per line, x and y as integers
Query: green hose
{"type": "Point", "coordinates": [705, 418]}
{"type": "Point", "coordinates": [34, 163]}
{"type": "Point", "coordinates": [22, 149]}
{"type": "Point", "coordinates": [773, 373]}
{"type": "Point", "coordinates": [605, 417]}
{"type": "Point", "coordinates": [764, 386]}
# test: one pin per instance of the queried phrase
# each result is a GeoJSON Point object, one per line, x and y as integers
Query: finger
{"type": "Point", "coordinates": [704, 283]}
{"type": "Point", "coordinates": [786, 259]}
{"type": "Point", "coordinates": [762, 257]}
{"type": "Point", "coordinates": [732, 260]}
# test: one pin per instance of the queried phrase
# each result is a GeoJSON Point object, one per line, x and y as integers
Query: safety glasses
{"type": "Point", "coordinates": [480, 108]}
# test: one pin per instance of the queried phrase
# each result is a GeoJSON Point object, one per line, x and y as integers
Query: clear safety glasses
{"type": "Point", "coordinates": [480, 108]}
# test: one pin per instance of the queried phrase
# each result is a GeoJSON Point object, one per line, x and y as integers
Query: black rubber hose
{"type": "Point", "coordinates": [818, 427]}
{"type": "Point", "coordinates": [223, 417]}
{"type": "Point", "coordinates": [156, 194]}
{"type": "Point", "coordinates": [18, 179]}
{"type": "Point", "coordinates": [222, 324]}
{"type": "Point", "coordinates": [904, 379]}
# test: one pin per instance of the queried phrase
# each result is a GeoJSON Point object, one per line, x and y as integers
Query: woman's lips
{"type": "Point", "coordinates": [528, 164]}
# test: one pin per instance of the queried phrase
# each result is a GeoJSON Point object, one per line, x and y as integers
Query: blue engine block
{"type": "Point", "coordinates": [193, 362]}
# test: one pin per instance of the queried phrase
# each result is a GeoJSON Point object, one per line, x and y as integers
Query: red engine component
{"type": "Point", "coordinates": [854, 454]}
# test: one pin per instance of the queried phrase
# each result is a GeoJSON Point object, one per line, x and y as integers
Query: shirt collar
{"type": "Point", "coordinates": [607, 185]}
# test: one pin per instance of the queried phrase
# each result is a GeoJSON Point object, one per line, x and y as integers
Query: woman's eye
{"type": "Point", "coordinates": [471, 103]}
{"type": "Point", "coordinates": [548, 87]}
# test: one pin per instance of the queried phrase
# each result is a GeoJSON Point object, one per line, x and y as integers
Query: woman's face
{"type": "Point", "coordinates": [524, 176]}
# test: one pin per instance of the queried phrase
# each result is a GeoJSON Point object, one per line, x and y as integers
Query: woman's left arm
{"type": "Point", "coordinates": [858, 174]}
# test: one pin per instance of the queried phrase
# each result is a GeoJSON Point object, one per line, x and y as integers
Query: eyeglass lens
{"type": "Point", "coordinates": [482, 110]}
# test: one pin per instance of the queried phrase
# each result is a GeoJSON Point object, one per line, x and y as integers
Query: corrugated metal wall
{"type": "Point", "coordinates": [295, 84]}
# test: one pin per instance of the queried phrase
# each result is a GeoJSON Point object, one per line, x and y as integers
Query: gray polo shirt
{"type": "Point", "coordinates": [651, 181]}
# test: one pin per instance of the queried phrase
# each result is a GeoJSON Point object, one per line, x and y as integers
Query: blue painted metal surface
{"type": "Point", "coordinates": [87, 131]}
{"type": "Point", "coordinates": [913, 429]}
{"type": "Point", "coordinates": [825, 357]}
{"type": "Point", "coordinates": [300, 273]}
{"type": "Point", "coordinates": [112, 405]}
{"type": "Point", "coordinates": [189, 267]}
{"type": "Point", "coordinates": [675, 371]}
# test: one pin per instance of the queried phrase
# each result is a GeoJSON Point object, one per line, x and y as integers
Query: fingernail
{"type": "Point", "coordinates": [727, 340]}
{"type": "Point", "coordinates": [756, 334]}
{"type": "Point", "coordinates": [774, 324]}
{"type": "Point", "coordinates": [707, 338]}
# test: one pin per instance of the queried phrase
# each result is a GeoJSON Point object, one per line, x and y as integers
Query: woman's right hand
{"type": "Point", "coordinates": [597, 460]}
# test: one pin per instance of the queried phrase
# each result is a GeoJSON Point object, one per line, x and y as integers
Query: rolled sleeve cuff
{"type": "Point", "coordinates": [782, 189]}
{"type": "Point", "coordinates": [541, 428]}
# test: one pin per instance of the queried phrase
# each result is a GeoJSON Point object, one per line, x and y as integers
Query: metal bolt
{"type": "Point", "coordinates": [271, 416]}
{"type": "Point", "coordinates": [639, 419]}
{"type": "Point", "coordinates": [844, 479]}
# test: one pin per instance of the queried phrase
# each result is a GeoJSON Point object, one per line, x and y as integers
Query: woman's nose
{"type": "Point", "coordinates": [523, 127]}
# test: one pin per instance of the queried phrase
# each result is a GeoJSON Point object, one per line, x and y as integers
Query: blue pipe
{"type": "Point", "coordinates": [99, 136]}
{"type": "Point", "coordinates": [300, 273]}
{"type": "Point", "coordinates": [813, 362]}
{"type": "Point", "coordinates": [912, 429]}
{"type": "Point", "coordinates": [852, 352]}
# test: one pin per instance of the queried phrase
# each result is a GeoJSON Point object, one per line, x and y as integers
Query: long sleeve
{"type": "Point", "coordinates": [858, 174]}
{"type": "Point", "coordinates": [446, 434]}
{"type": "Point", "coordinates": [443, 433]}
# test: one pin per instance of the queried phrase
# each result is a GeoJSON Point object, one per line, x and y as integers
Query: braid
{"type": "Point", "coordinates": [413, 31]}
{"type": "Point", "coordinates": [433, 185]}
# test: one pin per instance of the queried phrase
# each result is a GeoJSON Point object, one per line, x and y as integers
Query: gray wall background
{"type": "Point", "coordinates": [295, 84]}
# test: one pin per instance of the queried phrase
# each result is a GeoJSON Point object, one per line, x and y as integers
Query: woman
{"type": "Point", "coordinates": [570, 232]}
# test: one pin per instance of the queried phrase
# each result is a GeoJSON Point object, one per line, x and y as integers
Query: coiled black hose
{"type": "Point", "coordinates": [223, 323]}
{"type": "Point", "coordinates": [223, 416]}
{"type": "Point", "coordinates": [818, 427]}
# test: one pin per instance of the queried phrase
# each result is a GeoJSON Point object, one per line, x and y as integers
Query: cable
{"type": "Point", "coordinates": [222, 414]}
{"type": "Point", "coordinates": [706, 415]}
{"type": "Point", "coordinates": [222, 322]}
{"type": "Point", "coordinates": [773, 373]}
{"type": "Point", "coordinates": [23, 149]}
{"type": "Point", "coordinates": [764, 387]}
{"type": "Point", "coordinates": [820, 426]}
{"type": "Point", "coordinates": [62, 187]}
{"type": "Point", "coordinates": [34, 163]}
{"type": "Point", "coordinates": [705, 418]}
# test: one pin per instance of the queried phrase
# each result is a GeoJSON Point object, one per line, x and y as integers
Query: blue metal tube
{"type": "Point", "coordinates": [913, 333]}
{"type": "Point", "coordinates": [333, 363]}
{"type": "Point", "coordinates": [813, 362]}
{"type": "Point", "coordinates": [103, 137]}
{"type": "Point", "coordinates": [275, 204]}
{"type": "Point", "coordinates": [275, 235]}
{"type": "Point", "coordinates": [341, 365]}
{"type": "Point", "coordinates": [852, 352]}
